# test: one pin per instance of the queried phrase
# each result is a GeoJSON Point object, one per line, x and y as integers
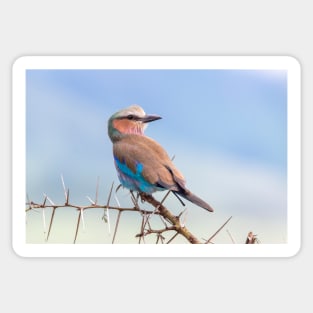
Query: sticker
{"type": "Point", "coordinates": [230, 126]}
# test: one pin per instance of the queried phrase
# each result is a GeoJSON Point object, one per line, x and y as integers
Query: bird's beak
{"type": "Point", "coordinates": [150, 118]}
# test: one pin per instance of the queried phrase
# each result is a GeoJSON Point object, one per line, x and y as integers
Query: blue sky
{"type": "Point", "coordinates": [226, 128]}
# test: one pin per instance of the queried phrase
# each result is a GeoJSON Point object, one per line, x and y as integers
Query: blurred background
{"type": "Point", "coordinates": [226, 128]}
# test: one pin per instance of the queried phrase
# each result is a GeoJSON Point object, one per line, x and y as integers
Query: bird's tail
{"type": "Point", "coordinates": [194, 199]}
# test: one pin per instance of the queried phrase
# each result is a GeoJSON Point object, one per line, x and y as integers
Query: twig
{"type": "Point", "coordinates": [143, 224]}
{"type": "Point", "coordinates": [208, 241]}
{"type": "Point", "coordinates": [172, 238]}
{"type": "Point", "coordinates": [174, 220]}
{"type": "Point", "coordinates": [77, 226]}
{"type": "Point", "coordinates": [116, 225]}
{"type": "Point", "coordinates": [51, 220]}
{"type": "Point", "coordinates": [170, 222]}
{"type": "Point", "coordinates": [153, 212]}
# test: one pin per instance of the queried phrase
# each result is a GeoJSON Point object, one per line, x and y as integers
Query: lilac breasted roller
{"type": "Point", "coordinates": [141, 163]}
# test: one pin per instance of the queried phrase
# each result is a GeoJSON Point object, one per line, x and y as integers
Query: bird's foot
{"type": "Point", "coordinates": [143, 196]}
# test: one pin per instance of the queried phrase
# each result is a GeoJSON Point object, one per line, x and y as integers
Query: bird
{"type": "Point", "coordinates": [142, 164]}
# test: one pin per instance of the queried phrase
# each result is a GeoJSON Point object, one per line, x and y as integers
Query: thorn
{"type": "Point", "coordinates": [44, 201]}
{"type": "Point", "coordinates": [51, 202]}
{"type": "Point", "coordinates": [183, 214]}
{"type": "Point", "coordinates": [92, 202]}
{"type": "Point", "coordinates": [64, 188]}
{"type": "Point", "coordinates": [110, 194]}
{"type": "Point", "coordinates": [97, 189]}
{"type": "Point", "coordinates": [67, 196]}
{"type": "Point", "coordinates": [231, 237]}
{"type": "Point", "coordinates": [108, 222]}
{"type": "Point", "coordinates": [44, 221]}
{"type": "Point", "coordinates": [51, 220]}
{"type": "Point", "coordinates": [83, 220]}
{"type": "Point", "coordinates": [116, 199]}
{"type": "Point", "coordinates": [107, 209]}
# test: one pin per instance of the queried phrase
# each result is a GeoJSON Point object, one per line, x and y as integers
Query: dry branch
{"type": "Point", "coordinates": [171, 222]}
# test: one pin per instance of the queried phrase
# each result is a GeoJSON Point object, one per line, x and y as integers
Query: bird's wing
{"type": "Point", "coordinates": [144, 155]}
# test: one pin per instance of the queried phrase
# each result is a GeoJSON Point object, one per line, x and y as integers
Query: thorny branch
{"type": "Point", "coordinates": [171, 223]}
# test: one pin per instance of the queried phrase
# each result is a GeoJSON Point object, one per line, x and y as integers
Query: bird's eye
{"type": "Point", "coordinates": [130, 117]}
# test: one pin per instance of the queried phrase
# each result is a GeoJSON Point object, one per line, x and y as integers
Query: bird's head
{"type": "Point", "coordinates": [131, 120]}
